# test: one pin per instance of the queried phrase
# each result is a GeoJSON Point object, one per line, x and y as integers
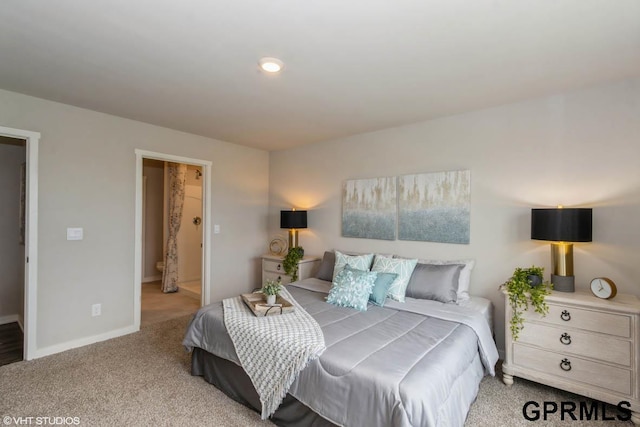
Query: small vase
{"type": "Point", "coordinates": [534, 280]}
{"type": "Point", "coordinates": [271, 299]}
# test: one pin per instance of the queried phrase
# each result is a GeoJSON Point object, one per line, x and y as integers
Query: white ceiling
{"type": "Point", "coordinates": [352, 66]}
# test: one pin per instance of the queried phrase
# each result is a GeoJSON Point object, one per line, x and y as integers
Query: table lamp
{"type": "Point", "coordinates": [562, 227]}
{"type": "Point", "coordinates": [293, 220]}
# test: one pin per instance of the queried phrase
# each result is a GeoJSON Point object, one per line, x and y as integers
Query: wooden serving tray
{"type": "Point", "coordinates": [259, 307]}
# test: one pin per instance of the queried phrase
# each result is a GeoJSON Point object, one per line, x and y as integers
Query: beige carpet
{"type": "Point", "coordinates": [143, 380]}
{"type": "Point", "coordinates": [140, 379]}
{"type": "Point", "coordinates": [500, 406]}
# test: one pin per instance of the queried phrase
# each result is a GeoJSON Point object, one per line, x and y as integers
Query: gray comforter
{"type": "Point", "coordinates": [417, 363]}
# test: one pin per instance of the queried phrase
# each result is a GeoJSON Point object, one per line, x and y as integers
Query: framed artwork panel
{"type": "Point", "coordinates": [435, 207]}
{"type": "Point", "coordinates": [369, 208]}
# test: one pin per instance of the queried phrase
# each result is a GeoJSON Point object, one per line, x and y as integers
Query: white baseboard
{"type": "Point", "coordinates": [10, 319]}
{"type": "Point", "coordinates": [58, 348]}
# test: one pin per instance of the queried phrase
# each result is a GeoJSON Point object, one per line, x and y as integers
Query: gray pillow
{"type": "Point", "coordinates": [325, 272]}
{"type": "Point", "coordinates": [435, 282]}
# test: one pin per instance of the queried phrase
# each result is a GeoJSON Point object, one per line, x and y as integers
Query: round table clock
{"type": "Point", "coordinates": [603, 288]}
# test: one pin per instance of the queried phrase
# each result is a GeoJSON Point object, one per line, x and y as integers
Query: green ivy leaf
{"type": "Point", "coordinates": [521, 294]}
{"type": "Point", "coordinates": [290, 262]}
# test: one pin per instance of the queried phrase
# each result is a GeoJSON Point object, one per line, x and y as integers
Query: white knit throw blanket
{"type": "Point", "coordinates": [272, 349]}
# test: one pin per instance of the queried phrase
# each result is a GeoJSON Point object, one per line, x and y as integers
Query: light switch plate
{"type": "Point", "coordinates": [75, 233]}
{"type": "Point", "coordinates": [216, 229]}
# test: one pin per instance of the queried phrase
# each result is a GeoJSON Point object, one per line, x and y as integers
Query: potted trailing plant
{"type": "Point", "coordinates": [271, 289]}
{"type": "Point", "coordinates": [526, 287]}
{"type": "Point", "coordinates": [290, 262]}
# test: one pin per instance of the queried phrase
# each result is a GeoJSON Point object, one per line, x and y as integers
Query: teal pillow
{"type": "Point", "coordinates": [381, 288]}
{"type": "Point", "coordinates": [402, 267]}
{"type": "Point", "coordinates": [359, 262]}
{"type": "Point", "coordinates": [351, 288]}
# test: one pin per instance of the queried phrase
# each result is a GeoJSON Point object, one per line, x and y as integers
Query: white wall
{"type": "Point", "coordinates": [12, 156]}
{"type": "Point", "coordinates": [580, 149]}
{"type": "Point", "coordinates": [87, 179]}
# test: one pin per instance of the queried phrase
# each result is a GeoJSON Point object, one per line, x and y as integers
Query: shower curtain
{"type": "Point", "coordinates": [177, 173]}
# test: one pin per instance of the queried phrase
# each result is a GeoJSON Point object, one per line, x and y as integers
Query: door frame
{"type": "Point", "coordinates": [206, 230]}
{"type": "Point", "coordinates": [30, 238]}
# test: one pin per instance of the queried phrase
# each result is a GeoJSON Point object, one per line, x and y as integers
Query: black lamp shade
{"type": "Point", "coordinates": [561, 224]}
{"type": "Point", "coordinates": [293, 219]}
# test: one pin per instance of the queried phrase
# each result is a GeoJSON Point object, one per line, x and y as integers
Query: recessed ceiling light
{"type": "Point", "coordinates": [271, 65]}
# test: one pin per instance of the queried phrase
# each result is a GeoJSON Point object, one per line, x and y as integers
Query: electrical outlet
{"type": "Point", "coordinates": [96, 310]}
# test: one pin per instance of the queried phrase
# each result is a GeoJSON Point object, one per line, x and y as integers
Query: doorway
{"type": "Point", "coordinates": [27, 226]}
{"type": "Point", "coordinates": [157, 206]}
{"type": "Point", "coordinates": [152, 230]}
{"type": "Point", "coordinates": [12, 263]}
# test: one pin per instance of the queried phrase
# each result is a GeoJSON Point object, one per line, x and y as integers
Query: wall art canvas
{"type": "Point", "coordinates": [434, 207]}
{"type": "Point", "coordinates": [369, 208]}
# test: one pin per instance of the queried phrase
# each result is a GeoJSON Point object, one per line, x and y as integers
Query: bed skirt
{"type": "Point", "coordinates": [234, 382]}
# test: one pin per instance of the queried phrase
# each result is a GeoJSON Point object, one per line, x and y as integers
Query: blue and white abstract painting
{"type": "Point", "coordinates": [369, 208]}
{"type": "Point", "coordinates": [434, 207]}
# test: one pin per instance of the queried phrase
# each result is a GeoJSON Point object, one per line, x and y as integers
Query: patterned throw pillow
{"type": "Point", "coordinates": [351, 288]}
{"type": "Point", "coordinates": [402, 267]}
{"type": "Point", "coordinates": [358, 262]}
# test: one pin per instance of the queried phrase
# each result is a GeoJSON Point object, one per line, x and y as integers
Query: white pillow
{"type": "Point", "coordinates": [358, 262]}
{"type": "Point", "coordinates": [402, 267]}
{"type": "Point", "coordinates": [464, 280]}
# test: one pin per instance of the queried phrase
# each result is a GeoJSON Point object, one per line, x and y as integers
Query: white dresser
{"type": "Point", "coordinates": [272, 268]}
{"type": "Point", "coordinates": [585, 345]}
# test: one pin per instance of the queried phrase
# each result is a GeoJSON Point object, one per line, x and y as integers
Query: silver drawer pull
{"type": "Point", "coordinates": [565, 339]}
{"type": "Point", "coordinates": [278, 268]}
{"type": "Point", "coordinates": [566, 316]}
{"type": "Point", "coordinates": [565, 365]}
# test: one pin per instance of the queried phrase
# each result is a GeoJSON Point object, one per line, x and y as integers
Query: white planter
{"type": "Point", "coordinates": [271, 299]}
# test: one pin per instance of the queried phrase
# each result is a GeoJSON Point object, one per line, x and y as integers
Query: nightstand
{"type": "Point", "coordinates": [584, 345]}
{"type": "Point", "coordinates": [272, 268]}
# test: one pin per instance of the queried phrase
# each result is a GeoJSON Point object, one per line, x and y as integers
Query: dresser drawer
{"type": "Point", "coordinates": [270, 275]}
{"type": "Point", "coordinates": [566, 340]}
{"type": "Point", "coordinates": [273, 266]}
{"type": "Point", "coordinates": [577, 369]}
{"type": "Point", "coordinates": [589, 320]}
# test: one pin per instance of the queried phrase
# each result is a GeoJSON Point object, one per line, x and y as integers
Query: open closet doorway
{"type": "Point", "coordinates": [19, 285]}
{"type": "Point", "coordinates": [12, 263]}
{"type": "Point", "coordinates": [172, 229]}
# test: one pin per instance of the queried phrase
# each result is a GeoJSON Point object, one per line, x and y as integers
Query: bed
{"type": "Point", "coordinates": [415, 363]}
